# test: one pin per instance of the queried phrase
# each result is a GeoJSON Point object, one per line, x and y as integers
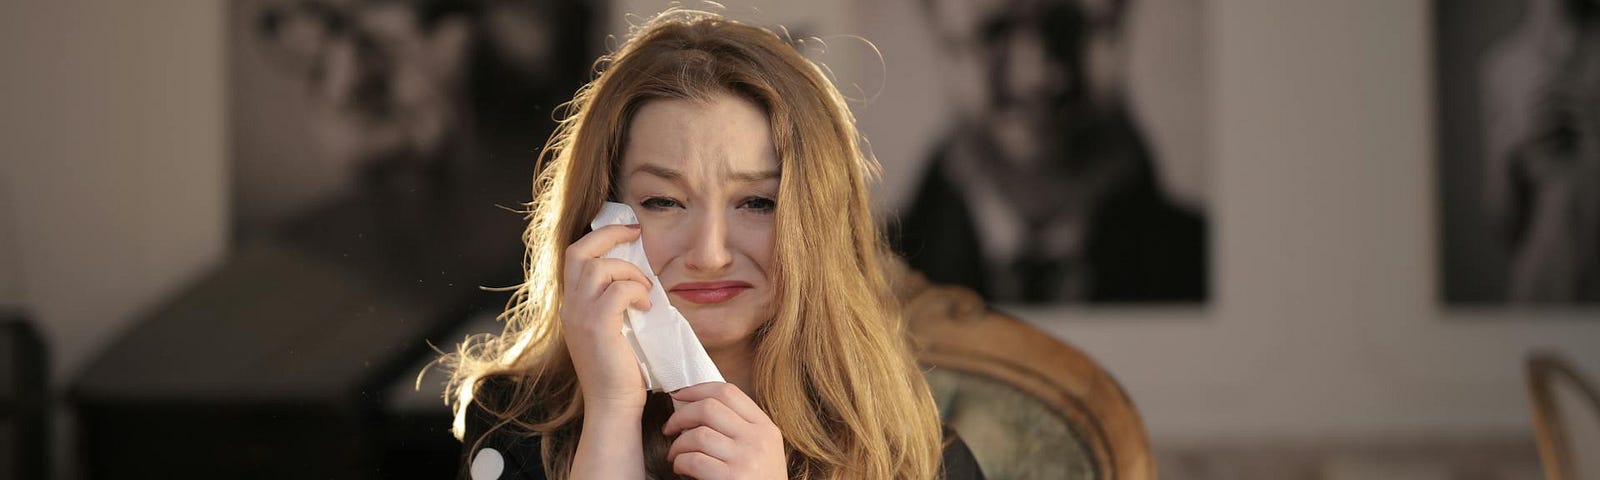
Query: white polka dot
{"type": "Point", "coordinates": [487, 464]}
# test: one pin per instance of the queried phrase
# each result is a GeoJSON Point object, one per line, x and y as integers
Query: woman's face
{"type": "Point", "coordinates": [703, 179]}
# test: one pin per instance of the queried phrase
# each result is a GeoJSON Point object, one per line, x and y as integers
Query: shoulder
{"type": "Point", "coordinates": [486, 416]}
{"type": "Point", "coordinates": [958, 464]}
{"type": "Point", "coordinates": [494, 447]}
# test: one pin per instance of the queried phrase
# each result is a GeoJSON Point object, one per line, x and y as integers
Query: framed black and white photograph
{"type": "Point", "coordinates": [1519, 151]}
{"type": "Point", "coordinates": [1046, 152]}
{"type": "Point", "coordinates": [336, 103]}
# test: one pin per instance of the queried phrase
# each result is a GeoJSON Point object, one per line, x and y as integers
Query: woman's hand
{"type": "Point", "coordinates": [595, 293]}
{"type": "Point", "coordinates": [722, 434]}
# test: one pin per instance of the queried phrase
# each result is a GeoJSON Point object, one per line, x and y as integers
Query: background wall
{"type": "Point", "coordinates": [113, 175]}
{"type": "Point", "coordinates": [1324, 322]}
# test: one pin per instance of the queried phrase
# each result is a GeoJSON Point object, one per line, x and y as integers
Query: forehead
{"type": "Point", "coordinates": [707, 139]}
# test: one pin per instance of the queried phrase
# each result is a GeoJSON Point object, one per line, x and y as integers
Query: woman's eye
{"type": "Point", "coordinates": [759, 204]}
{"type": "Point", "coordinates": [659, 203]}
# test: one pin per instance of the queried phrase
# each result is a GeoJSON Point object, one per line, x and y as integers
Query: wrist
{"type": "Point", "coordinates": [625, 408]}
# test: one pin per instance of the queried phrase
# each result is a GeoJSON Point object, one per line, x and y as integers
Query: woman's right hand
{"type": "Point", "coordinates": [595, 294]}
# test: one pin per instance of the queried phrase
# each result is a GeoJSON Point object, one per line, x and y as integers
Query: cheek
{"type": "Point", "coordinates": [660, 243]}
{"type": "Point", "coordinates": [757, 242]}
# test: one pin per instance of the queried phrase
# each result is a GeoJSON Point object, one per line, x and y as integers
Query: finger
{"type": "Point", "coordinates": [597, 243]}
{"type": "Point", "coordinates": [707, 412]}
{"type": "Point", "coordinates": [605, 315]}
{"type": "Point", "coordinates": [704, 440]}
{"type": "Point", "coordinates": [729, 395]}
{"type": "Point", "coordinates": [700, 466]}
{"type": "Point", "coordinates": [598, 273]}
{"type": "Point", "coordinates": [621, 295]}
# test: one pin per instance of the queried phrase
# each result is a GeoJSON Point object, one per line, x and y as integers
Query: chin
{"type": "Point", "coordinates": [719, 327]}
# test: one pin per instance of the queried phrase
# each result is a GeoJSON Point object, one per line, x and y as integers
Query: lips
{"type": "Point", "coordinates": [709, 292]}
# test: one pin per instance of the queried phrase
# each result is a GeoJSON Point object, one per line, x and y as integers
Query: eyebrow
{"type": "Point", "coordinates": [677, 177]}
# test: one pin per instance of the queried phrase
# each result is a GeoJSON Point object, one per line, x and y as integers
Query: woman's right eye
{"type": "Point", "coordinates": [659, 203]}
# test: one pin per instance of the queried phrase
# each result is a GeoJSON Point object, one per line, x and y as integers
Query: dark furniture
{"type": "Point", "coordinates": [24, 400]}
{"type": "Point", "coordinates": [275, 364]}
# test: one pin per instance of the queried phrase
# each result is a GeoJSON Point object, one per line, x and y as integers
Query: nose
{"type": "Point", "coordinates": [708, 247]}
{"type": "Point", "coordinates": [353, 72]}
{"type": "Point", "coordinates": [1027, 72]}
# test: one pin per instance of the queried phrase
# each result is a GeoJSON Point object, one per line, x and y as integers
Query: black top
{"type": "Point", "coordinates": [518, 455]}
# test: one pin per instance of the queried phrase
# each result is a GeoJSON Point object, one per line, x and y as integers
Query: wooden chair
{"type": "Point", "coordinates": [1027, 404]}
{"type": "Point", "coordinates": [1546, 371]}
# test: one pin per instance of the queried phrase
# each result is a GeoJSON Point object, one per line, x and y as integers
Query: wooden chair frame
{"type": "Point", "coordinates": [1544, 368]}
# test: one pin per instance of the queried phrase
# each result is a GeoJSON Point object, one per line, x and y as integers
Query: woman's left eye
{"type": "Point", "coordinates": [658, 203]}
{"type": "Point", "coordinates": [760, 204]}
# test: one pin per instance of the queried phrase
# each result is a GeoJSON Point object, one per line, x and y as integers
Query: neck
{"type": "Point", "coordinates": [734, 364]}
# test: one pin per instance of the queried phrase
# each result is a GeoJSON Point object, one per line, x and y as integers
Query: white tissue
{"type": "Point", "coordinates": [670, 355]}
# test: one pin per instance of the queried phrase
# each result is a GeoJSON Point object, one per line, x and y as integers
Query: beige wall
{"type": "Point", "coordinates": [1324, 318]}
{"type": "Point", "coordinates": [112, 135]}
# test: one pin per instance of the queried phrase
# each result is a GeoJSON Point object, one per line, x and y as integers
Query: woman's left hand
{"type": "Point", "coordinates": [722, 434]}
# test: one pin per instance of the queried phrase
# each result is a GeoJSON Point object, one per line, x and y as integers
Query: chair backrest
{"type": "Point", "coordinates": [1562, 431]}
{"type": "Point", "coordinates": [1027, 404]}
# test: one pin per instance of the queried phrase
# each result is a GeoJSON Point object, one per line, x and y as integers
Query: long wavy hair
{"type": "Point", "coordinates": [833, 366]}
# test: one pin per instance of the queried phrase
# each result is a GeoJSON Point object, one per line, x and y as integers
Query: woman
{"type": "Point", "coordinates": [742, 164]}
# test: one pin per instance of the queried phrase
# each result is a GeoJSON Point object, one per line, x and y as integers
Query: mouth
{"type": "Point", "coordinates": [708, 293]}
